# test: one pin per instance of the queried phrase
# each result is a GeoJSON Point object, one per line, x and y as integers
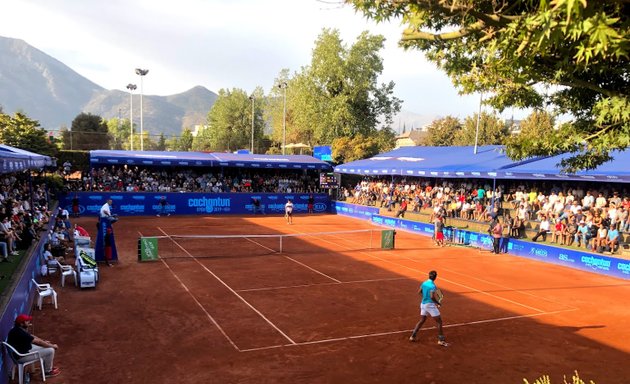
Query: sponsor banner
{"type": "Point", "coordinates": [586, 261]}
{"type": "Point", "coordinates": [146, 203]}
{"type": "Point", "coordinates": [358, 211]}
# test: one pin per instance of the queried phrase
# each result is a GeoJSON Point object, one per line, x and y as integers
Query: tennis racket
{"type": "Point", "coordinates": [439, 295]}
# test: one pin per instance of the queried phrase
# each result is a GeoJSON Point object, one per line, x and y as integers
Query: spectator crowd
{"type": "Point", "coordinates": [229, 180]}
{"type": "Point", "coordinates": [588, 216]}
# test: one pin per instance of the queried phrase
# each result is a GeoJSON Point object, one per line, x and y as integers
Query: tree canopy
{"type": "Point", "coordinates": [86, 133]}
{"type": "Point", "coordinates": [20, 131]}
{"type": "Point", "coordinates": [570, 55]}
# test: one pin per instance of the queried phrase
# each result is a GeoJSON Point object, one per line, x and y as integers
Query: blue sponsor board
{"type": "Point", "coordinates": [141, 204]}
{"type": "Point", "coordinates": [358, 211]}
{"type": "Point", "coordinates": [586, 261]}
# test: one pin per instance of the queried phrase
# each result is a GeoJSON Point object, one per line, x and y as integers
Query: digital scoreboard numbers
{"type": "Point", "coordinates": [328, 180]}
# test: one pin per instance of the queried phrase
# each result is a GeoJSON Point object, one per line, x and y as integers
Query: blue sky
{"type": "Point", "coordinates": [216, 44]}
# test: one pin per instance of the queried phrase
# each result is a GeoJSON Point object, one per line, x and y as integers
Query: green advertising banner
{"type": "Point", "coordinates": [148, 249]}
{"type": "Point", "coordinates": [387, 239]}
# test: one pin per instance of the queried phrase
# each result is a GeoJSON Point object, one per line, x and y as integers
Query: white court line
{"type": "Point", "coordinates": [316, 285]}
{"type": "Point", "coordinates": [198, 303]}
{"type": "Point", "coordinates": [230, 288]}
{"type": "Point", "coordinates": [295, 261]}
{"type": "Point", "coordinates": [443, 279]}
{"type": "Point", "coordinates": [369, 335]}
{"type": "Point", "coordinates": [313, 269]}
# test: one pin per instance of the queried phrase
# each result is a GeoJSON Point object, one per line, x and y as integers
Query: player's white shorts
{"type": "Point", "coordinates": [430, 309]}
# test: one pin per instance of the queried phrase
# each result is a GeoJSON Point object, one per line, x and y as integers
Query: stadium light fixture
{"type": "Point", "coordinates": [131, 88]}
{"type": "Point", "coordinates": [142, 73]}
{"type": "Point", "coordinates": [283, 86]}
{"type": "Point", "coordinates": [253, 100]}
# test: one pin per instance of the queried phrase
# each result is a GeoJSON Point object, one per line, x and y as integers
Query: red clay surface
{"type": "Point", "coordinates": [333, 315]}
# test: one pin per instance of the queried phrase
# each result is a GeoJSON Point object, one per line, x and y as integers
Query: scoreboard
{"type": "Point", "coordinates": [328, 180]}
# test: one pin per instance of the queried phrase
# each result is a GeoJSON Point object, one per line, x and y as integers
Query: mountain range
{"type": "Point", "coordinates": [47, 90]}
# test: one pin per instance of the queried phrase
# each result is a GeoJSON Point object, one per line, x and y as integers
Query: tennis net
{"type": "Point", "coordinates": [225, 246]}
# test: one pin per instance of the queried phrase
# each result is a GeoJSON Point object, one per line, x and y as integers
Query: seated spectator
{"type": "Point", "coordinates": [570, 231]}
{"type": "Point", "coordinates": [612, 239]}
{"type": "Point", "coordinates": [5, 252]}
{"type": "Point", "coordinates": [543, 230]}
{"type": "Point", "coordinates": [8, 236]}
{"type": "Point", "coordinates": [599, 241]}
{"type": "Point", "coordinates": [80, 231]}
{"type": "Point", "coordinates": [23, 342]}
{"type": "Point", "coordinates": [558, 232]}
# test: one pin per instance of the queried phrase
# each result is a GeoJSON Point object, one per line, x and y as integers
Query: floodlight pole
{"type": "Point", "coordinates": [252, 99]}
{"type": "Point", "coordinates": [131, 88]}
{"type": "Point", "coordinates": [283, 86]}
{"type": "Point", "coordinates": [141, 73]}
{"type": "Point", "coordinates": [478, 122]}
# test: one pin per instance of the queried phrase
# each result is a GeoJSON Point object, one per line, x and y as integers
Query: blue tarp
{"type": "Point", "coordinates": [451, 162]}
{"type": "Point", "coordinates": [201, 159]}
{"type": "Point", "coordinates": [270, 161]}
{"type": "Point", "coordinates": [490, 162]}
{"type": "Point", "coordinates": [12, 162]}
{"type": "Point", "coordinates": [35, 160]}
{"type": "Point", "coordinates": [615, 171]}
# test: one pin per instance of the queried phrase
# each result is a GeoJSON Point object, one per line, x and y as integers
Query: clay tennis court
{"type": "Point", "coordinates": [330, 311]}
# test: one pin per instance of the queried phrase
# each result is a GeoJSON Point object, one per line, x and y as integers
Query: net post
{"type": "Point", "coordinates": [281, 237]}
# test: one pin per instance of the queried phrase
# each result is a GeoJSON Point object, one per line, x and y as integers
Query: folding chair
{"type": "Point", "coordinates": [66, 270]}
{"type": "Point", "coordinates": [16, 356]}
{"type": "Point", "coordinates": [44, 290]}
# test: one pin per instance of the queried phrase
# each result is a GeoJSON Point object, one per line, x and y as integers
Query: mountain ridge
{"type": "Point", "coordinates": [52, 93]}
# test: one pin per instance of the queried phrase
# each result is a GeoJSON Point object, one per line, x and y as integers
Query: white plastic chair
{"type": "Point", "coordinates": [15, 356]}
{"type": "Point", "coordinates": [44, 290]}
{"type": "Point", "coordinates": [66, 270]}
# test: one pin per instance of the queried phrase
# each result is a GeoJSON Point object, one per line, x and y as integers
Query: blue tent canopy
{"type": "Point", "coordinates": [490, 162]}
{"type": "Point", "coordinates": [615, 171]}
{"type": "Point", "coordinates": [270, 161]}
{"type": "Point", "coordinates": [201, 159]}
{"type": "Point", "coordinates": [448, 162]}
{"type": "Point", "coordinates": [13, 162]}
{"type": "Point", "coordinates": [34, 160]}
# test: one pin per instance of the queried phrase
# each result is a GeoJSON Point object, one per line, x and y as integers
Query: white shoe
{"type": "Point", "coordinates": [158, 215]}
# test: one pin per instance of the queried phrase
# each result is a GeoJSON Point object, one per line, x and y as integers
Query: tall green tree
{"type": "Point", "coordinates": [516, 50]}
{"type": "Point", "coordinates": [492, 130]}
{"type": "Point", "coordinates": [119, 132]}
{"type": "Point", "coordinates": [22, 132]}
{"type": "Point", "coordinates": [87, 132]}
{"type": "Point", "coordinates": [442, 132]}
{"type": "Point", "coordinates": [229, 121]}
{"type": "Point", "coordinates": [539, 122]}
{"type": "Point", "coordinates": [339, 94]}
{"type": "Point", "coordinates": [346, 148]}
{"type": "Point", "coordinates": [161, 143]}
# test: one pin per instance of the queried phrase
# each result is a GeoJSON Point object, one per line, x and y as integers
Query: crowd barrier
{"type": "Point", "coordinates": [148, 203]}
{"type": "Point", "coordinates": [586, 261]}
{"type": "Point", "coordinates": [21, 299]}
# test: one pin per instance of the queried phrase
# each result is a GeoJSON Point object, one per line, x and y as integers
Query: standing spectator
{"type": "Point", "coordinates": [497, 234]}
{"type": "Point", "coordinates": [402, 209]}
{"type": "Point", "coordinates": [75, 206]}
{"type": "Point", "coordinates": [23, 342]}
